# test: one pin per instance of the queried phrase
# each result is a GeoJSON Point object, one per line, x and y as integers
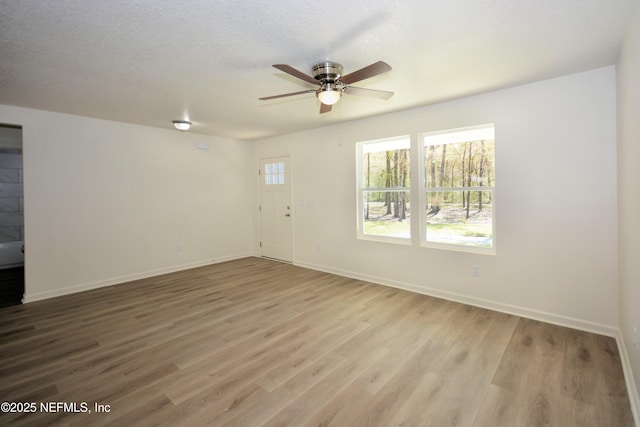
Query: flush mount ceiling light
{"type": "Point", "coordinates": [181, 124]}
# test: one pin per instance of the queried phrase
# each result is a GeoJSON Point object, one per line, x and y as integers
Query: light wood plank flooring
{"type": "Point", "coordinates": [254, 342]}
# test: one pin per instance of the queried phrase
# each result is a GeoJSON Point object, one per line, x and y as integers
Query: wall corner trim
{"type": "Point", "coordinates": [634, 397]}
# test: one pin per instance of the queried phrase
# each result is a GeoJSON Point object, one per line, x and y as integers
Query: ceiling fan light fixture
{"type": "Point", "coordinates": [181, 124]}
{"type": "Point", "coordinates": [329, 94]}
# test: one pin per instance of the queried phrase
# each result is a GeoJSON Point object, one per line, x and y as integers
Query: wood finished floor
{"type": "Point", "coordinates": [254, 342]}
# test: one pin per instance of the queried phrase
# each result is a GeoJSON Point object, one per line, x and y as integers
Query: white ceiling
{"type": "Point", "coordinates": [153, 61]}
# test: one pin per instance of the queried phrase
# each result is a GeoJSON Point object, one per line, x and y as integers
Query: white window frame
{"type": "Point", "coordinates": [361, 190]}
{"type": "Point", "coordinates": [422, 221]}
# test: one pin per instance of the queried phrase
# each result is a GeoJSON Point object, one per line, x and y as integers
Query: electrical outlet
{"type": "Point", "coordinates": [475, 270]}
{"type": "Point", "coordinates": [178, 248]}
{"type": "Point", "coordinates": [318, 247]}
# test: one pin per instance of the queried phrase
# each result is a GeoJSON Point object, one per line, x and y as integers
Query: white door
{"type": "Point", "coordinates": [275, 209]}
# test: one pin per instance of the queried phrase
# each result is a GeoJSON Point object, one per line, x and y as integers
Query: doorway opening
{"type": "Point", "coordinates": [11, 216]}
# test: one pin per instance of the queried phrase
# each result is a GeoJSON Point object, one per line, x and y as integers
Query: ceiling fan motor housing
{"type": "Point", "coordinates": [327, 72]}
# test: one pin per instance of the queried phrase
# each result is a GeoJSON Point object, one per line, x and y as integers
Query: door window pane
{"type": "Point", "coordinates": [274, 173]}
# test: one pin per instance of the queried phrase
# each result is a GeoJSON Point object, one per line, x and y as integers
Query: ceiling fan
{"type": "Point", "coordinates": [333, 84]}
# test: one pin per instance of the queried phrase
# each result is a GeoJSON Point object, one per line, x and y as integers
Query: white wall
{"type": "Point", "coordinates": [555, 202]}
{"type": "Point", "coordinates": [106, 202]}
{"type": "Point", "coordinates": [629, 195]}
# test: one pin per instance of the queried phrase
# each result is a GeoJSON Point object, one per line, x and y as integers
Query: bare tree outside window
{"type": "Point", "coordinates": [386, 181]}
{"type": "Point", "coordinates": [456, 189]}
{"type": "Point", "coordinates": [459, 197]}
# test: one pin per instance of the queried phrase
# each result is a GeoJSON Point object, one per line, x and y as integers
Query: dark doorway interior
{"type": "Point", "coordinates": [11, 286]}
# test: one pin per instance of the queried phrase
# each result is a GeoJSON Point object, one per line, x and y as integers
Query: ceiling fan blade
{"type": "Point", "coordinates": [295, 73]}
{"type": "Point", "coordinates": [366, 72]}
{"type": "Point", "coordinates": [324, 108]}
{"type": "Point", "coordinates": [360, 91]}
{"type": "Point", "coordinates": [265, 98]}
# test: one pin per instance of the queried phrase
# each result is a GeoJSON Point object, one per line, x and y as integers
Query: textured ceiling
{"type": "Point", "coordinates": [153, 61]}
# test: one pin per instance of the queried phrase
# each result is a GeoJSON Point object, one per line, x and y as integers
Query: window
{"type": "Point", "coordinates": [455, 189]}
{"type": "Point", "coordinates": [274, 173]}
{"type": "Point", "coordinates": [384, 205]}
{"type": "Point", "coordinates": [459, 182]}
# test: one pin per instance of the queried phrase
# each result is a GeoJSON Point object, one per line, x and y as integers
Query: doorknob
{"type": "Point", "coordinates": [287, 214]}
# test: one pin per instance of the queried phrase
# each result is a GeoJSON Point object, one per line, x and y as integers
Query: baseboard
{"type": "Point", "coordinates": [127, 278]}
{"type": "Point", "coordinates": [634, 397]}
{"type": "Point", "coordinates": [556, 319]}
